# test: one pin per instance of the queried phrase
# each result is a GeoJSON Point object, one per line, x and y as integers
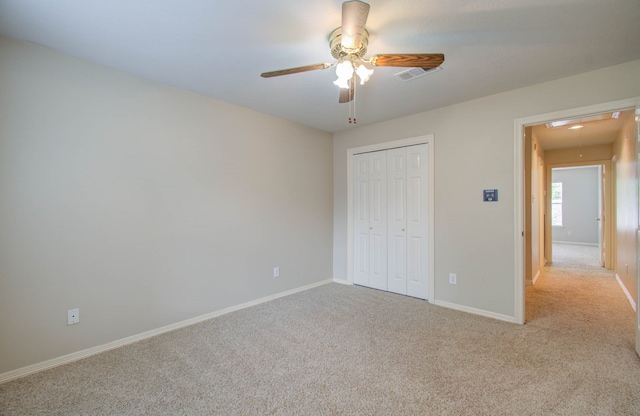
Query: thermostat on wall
{"type": "Point", "coordinates": [490, 195]}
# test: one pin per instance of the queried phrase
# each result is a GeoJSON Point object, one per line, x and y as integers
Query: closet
{"type": "Point", "coordinates": [390, 220]}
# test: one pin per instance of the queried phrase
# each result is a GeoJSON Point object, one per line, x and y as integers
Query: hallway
{"type": "Point", "coordinates": [576, 294]}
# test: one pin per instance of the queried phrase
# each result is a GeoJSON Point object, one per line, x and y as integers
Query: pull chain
{"type": "Point", "coordinates": [354, 99]}
{"type": "Point", "coordinates": [352, 102]}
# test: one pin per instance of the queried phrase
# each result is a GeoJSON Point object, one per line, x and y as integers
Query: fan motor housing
{"type": "Point", "coordinates": [337, 51]}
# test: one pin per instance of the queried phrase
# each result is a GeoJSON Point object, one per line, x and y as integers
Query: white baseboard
{"type": "Point", "coordinates": [535, 278]}
{"type": "Point", "coordinates": [475, 311]}
{"type": "Point", "coordinates": [627, 294]}
{"type": "Point", "coordinates": [576, 243]}
{"type": "Point", "coordinates": [65, 359]}
{"type": "Point", "coordinates": [458, 307]}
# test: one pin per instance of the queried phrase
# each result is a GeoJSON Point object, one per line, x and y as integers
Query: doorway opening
{"type": "Point", "coordinates": [577, 199]}
{"type": "Point", "coordinates": [534, 157]}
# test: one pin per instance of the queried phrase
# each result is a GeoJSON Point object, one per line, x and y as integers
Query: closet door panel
{"type": "Point", "coordinates": [390, 191]}
{"type": "Point", "coordinates": [417, 221]}
{"type": "Point", "coordinates": [361, 219]}
{"type": "Point", "coordinates": [397, 220]}
{"type": "Point", "coordinates": [378, 220]}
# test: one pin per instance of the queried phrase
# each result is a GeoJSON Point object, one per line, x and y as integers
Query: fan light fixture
{"type": "Point", "coordinates": [348, 44]}
{"type": "Point", "coordinates": [363, 73]}
{"type": "Point", "coordinates": [346, 70]}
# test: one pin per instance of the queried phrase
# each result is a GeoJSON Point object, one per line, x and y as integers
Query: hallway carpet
{"type": "Point", "coordinates": [575, 255]}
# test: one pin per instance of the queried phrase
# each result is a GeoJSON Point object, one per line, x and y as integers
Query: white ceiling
{"type": "Point", "coordinates": [219, 49]}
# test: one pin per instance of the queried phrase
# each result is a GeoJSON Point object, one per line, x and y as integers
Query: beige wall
{"type": "Point", "coordinates": [143, 205]}
{"type": "Point", "coordinates": [537, 207]}
{"type": "Point", "coordinates": [624, 149]}
{"type": "Point", "coordinates": [572, 154]}
{"type": "Point", "coordinates": [542, 207]}
{"type": "Point", "coordinates": [474, 150]}
{"type": "Point", "coordinates": [533, 205]}
{"type": "Point", "coordinates": [528, 203]}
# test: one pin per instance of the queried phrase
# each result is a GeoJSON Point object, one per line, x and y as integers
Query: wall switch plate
{"type": "Point", "coordinates": [276, 272]}
{"type": "Point", "coordinates": [73, 316]}
{"type": "Point", "coordinates": [490, 195]}
{"type": "Point", "coordinates": [452, 278]}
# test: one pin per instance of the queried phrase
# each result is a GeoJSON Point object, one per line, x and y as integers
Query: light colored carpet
{"type": "Point", "coordinates": [350, 350]}
{"type": "Point", "coordinates": [575, 255]}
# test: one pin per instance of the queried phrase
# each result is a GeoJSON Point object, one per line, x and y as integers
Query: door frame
{"type": "Point", "coordinates": [426, 139]}
{"type": "Point", "coordinates": [518, 184]}
{"type": "Point", "coordinates": [605, 196]}
{"type": "Point", "coordinates": [637, 116]}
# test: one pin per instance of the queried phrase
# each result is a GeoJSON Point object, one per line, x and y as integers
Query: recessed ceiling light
{"type": "Point", "coordinates": [585, 119]}
{"type": "Point", "coordinates": [615, 114]}
{"type": "Point", "coordinates": [558, 123]}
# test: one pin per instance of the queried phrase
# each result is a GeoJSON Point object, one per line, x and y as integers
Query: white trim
{"type": "Point", "coordinates": [432, 215]}
{"type": "Point", "coordinates": [575, 243]}
{"type": "Point", "coordinates": [535, 278]}
{"type": "Point", "coordinates": [426, 139]}
{"type": "Point", "coordinates": [475, 311]}
{"type": "Point", "coordinates": [518, 166]}
{"type": "Point", "coordinates": [627, 294]}
{"type": "Point", "coordinates": [518, 243]}
{"type": "Point", "coordinates": [65, 359]}
{"type": "Point", "coordinates": [391, 145]}
{"type": "Point", "coordinates": [583, 165]}
{"type": "Point", "coordinates": [342, 281]}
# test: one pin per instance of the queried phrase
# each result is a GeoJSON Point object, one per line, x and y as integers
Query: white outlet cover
{"type": "Point", "coordinates": [73, 316]}
{"type": "Point", "coordinates": [452, 278]}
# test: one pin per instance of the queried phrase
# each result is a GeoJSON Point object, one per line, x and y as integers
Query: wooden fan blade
{"type": "Point", "coordinates": [346, 94]}
{"type": "Point", "coordinates": [415, 60]}
{"type": "Point", "coordinates": [295, 70]}
{"type": "Point", "coordinates": [354, 18]}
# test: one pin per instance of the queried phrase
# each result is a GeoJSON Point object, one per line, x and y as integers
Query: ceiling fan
{"type": "Point", "coordinates": [348, 45]}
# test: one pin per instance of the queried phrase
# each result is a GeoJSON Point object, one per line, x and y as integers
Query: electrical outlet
{"type": "Point", "coordinates": [452, 278]}
{"type": "Point", "coordinates": [73, 316]}
{"type": "Point", "coordinates": [276, 272]}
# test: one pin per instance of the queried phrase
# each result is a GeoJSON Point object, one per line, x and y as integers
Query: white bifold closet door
{"type": "Point", "coordinates": [391, 220]}
{"type": "Point", "coordinates": [370, 219]}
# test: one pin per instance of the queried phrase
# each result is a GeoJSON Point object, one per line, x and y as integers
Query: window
{"type": "Point", "coordinates": [556, 204]}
